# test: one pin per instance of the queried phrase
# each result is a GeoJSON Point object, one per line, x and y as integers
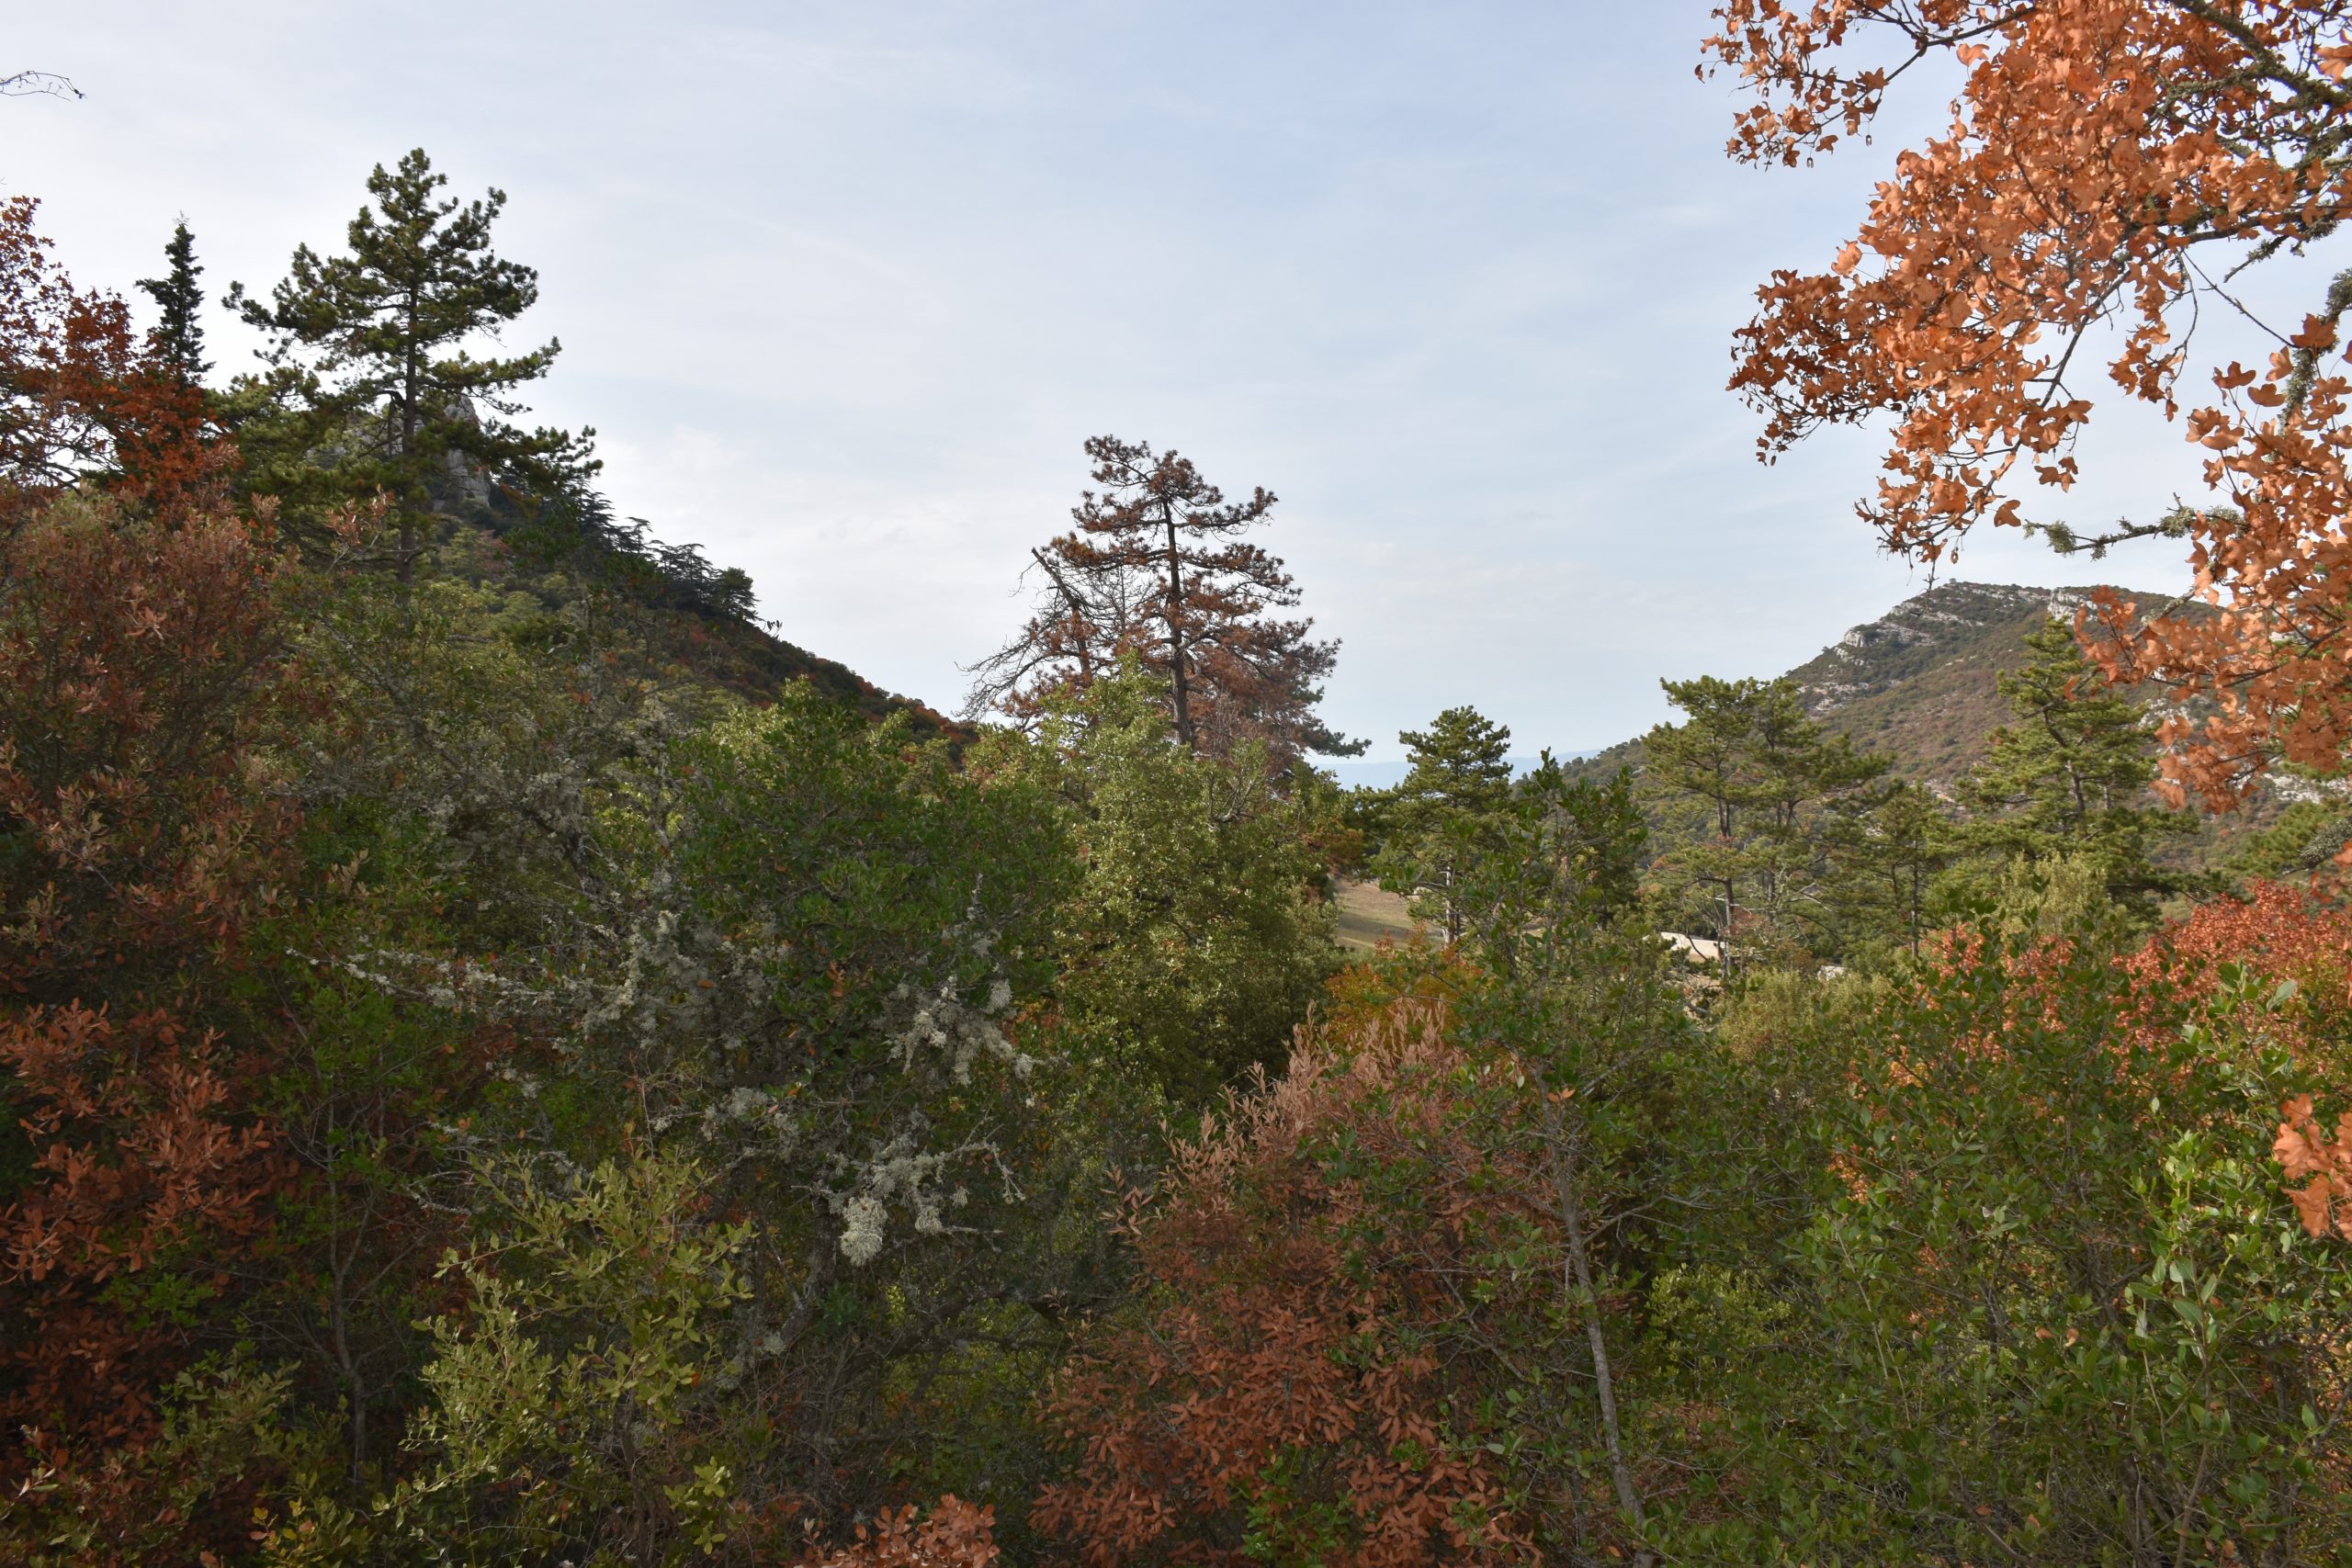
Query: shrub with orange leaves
{"type": "Point", "coordinates": [2322, 1163]}
{"type": "Point", "coordinates": [2106, 161]}
{"type": "Point", "coordinates": [1344, 1273]}
{"type": "Point", "coordinates": [2278, 930]}
{"type": "Point", "coordinates": [141, 673]}
{"type": "Point", "coordinates": [2282, 936]}
{"type": "Point", "coordinates": [2056, 1309]}
{"type": "Point", "coordinates": [2280, 960]}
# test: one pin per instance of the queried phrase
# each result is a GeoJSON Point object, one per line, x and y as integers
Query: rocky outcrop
{"type": "Point", "coordinates": [1871, 658]}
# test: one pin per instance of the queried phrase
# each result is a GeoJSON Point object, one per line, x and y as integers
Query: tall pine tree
{"type": "Point", "coordinates": [177, 340]}
{"type": "Point", "coordinates": [1158, 566]}
{"type": "Point", "coordinates": [372, 350]}
{"type": "Point", "coordinates": [1781, 797]}
{"type": "Point", "coordinates": [1440, 816]}
{"type": "Point", "coordinates": [2069, 777]}
{"type": "Point", "coordinates": [1898, 845]}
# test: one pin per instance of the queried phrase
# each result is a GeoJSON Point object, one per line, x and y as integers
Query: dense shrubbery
{"type": "Point", "coordinates": [477, 1094]}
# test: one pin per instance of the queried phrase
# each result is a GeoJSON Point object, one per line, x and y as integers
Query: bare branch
{"type": "Point", "coordinates": [38, 84]}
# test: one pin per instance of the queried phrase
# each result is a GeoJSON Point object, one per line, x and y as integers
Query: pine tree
{"type": "Point", "coordinates": [1459, 764]}
{"type": "Point", "coordinates": [1899, 843]}
{"type": "Point", "coordinates": [177, 340]}
{"type": "Point", "coordinates": [372, 348]}
{"type": "Point", "coordinates": [1459, 780]}
{"type": "Point", "coordinates": [1779, 794]}
{"type": "Point", "coordinates": [2069, 777]}
{"type": "Point", "coordinates": [1157, 567]}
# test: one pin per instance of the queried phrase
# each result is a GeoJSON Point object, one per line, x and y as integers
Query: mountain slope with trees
{"type": "Point", "coordinates": [1920, 686]}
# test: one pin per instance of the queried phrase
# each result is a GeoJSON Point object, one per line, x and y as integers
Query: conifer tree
{"type": "Point", "coordinates": [177, 340]}
{"type": "Point", "coordinates": [1779, 794]}
{"type": "Point", "coordinates": [1157, 567]}
{"type": "Point", "coordinates": [1458, 782]}
{"type": "Point", "coordinates": [372, 351]}
{"type": "Point", "coordinates": [1461, 762]}
{"type": "Point", "coordinates": [1900, 843]}
{"type": "Point", "coordinates": [2070, 777]}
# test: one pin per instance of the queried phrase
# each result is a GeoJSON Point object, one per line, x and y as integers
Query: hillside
{"type": "Point", "coordinates": [1920, 685]}
{"type": "Point", "coordinates": [754, 661]}
{"type": "Point", "coordinates": [687, 612]}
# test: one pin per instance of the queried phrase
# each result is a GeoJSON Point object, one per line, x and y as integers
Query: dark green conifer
{"type": "Point", "coordinates": [375, 374]}
{"type": "Point", "coordinates": [1459, 764]}
{"type": "Point", "coordinates": [1459, 778]}
{"type": "Point", "coordinates": [1899, 845]}
{"type": "Point", "coordinates": [2070, 778]}
{"type": "Point", "coordinates": [1781, 797]}
{"type": "Point", "coordinates": [178, 338]}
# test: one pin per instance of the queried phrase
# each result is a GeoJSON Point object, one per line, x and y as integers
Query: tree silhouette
{"type": "Point", "coordinates": [177, 340]}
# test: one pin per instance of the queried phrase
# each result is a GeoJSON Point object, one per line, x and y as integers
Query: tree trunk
{"type": "Point", "coordinates": [1176, 630]}
{"type": "Point", "coordinates": [409, 374]}
{"type": "Point", "coordinates": [1084, 627]}
{"type": "Point", "coordinates": [345, 1361]}
{"type": "Point", "coordinates": [1579, 1279]}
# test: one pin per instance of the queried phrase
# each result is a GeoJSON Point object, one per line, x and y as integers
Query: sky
{"type": "Point", "coordinates": [843, 288]}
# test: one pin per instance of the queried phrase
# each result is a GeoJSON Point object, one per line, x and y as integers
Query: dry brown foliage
{"type": "Point", "coordinates": [955, 1535]}
{"type": "Point", "coordinates": [1289, 1379]}
{"type": "Point", "coordinates": [140, 672]}
{"type": "Point", "coordinates": [2106, 163]}
{"type": "Point", "coordinates": [1157, 570]}
{"type": "Point", "coordinates": [83, 396]}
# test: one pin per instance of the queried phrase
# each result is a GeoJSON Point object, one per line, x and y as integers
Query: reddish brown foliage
{"type": "Point", "coordinates": [83, 396]}
{"type": "Point", "coordinates": [1157, 568]}
{"type": "Point", "coordinates": [185, 1500]}
{"type": "Point", "coordinates": [142, 1152]}
{"type": "Point", "coordinates": [140, 668]}
{"type": "Point", "coordinates": [2324, 1165]}
{"type": "Point", "coordinates": [956, 1535]}
{"type": "Point", "coordinates": [2096, 146]}
{"type": "Point", "coordinates": [2280, 934]}
{"type": "Point", "coordinates": [2295, 945]}
{"type": "Point", "coordinates": [140, 672]}
{"type": "Point", "coordinates": [2279, 931]}
{"type": "Point", "coordinates": [2276, 935]}
{"type": "Point", "coordinates": [1287, 1366]}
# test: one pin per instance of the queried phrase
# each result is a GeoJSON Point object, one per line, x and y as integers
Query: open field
{"type": "Point", "coordinates": [1370, 915]}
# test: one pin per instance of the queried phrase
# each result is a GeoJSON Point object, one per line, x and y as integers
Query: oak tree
{"type": "Point", "coordinates": [1197, 937]}
{"type": "Point", "coordinates": [2109, 166]}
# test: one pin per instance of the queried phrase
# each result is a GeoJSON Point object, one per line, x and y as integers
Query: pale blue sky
{"type": "Point", "coordinates": [843, 287]}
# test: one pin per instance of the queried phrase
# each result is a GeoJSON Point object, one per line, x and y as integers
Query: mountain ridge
{"type": "Point", "coordinates": [1921, 687]}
